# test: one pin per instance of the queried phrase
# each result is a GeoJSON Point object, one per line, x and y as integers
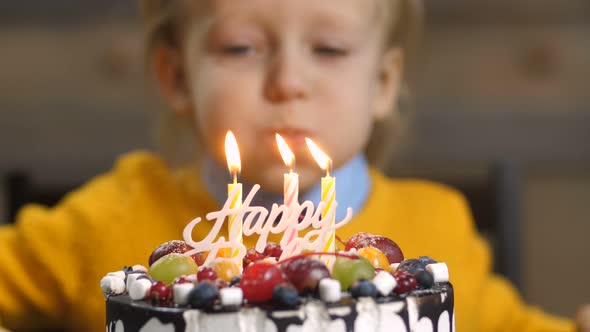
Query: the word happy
{"type": "Point", "coordinates": [258, 220]}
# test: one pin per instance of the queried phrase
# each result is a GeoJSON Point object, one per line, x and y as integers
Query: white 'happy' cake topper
{"type": "Point", "coordinates": [258, 220]}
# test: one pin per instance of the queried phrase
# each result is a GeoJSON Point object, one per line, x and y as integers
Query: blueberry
{"type": "Point", "coordinates": [363, 288]}
{"type": "Point", "coordinates": [235, 281]}
{"type": "Point", "coordinates": [424, 278]}
{"type": "Point", "coordinates": [426, 260]}
{"type": "Point", "coordinates": [411, 265]}
{"type": "Point", "coordinates": [407, 263]}
{"type": "Point", "coordinates": [285, 296]}
{"type": "Point", "coordinates": [203, 295]}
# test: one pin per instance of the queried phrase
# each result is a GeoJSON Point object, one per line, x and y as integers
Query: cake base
{"type": "Point", "coordinates": [420, 311]}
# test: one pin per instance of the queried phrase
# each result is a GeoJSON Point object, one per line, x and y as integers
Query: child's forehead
{"type": "Point", "coordinates": [295, 10]}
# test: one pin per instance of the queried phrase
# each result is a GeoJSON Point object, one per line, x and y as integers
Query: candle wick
{"type": "Point", "coordinates": [235, 174]}
{"type": "Point", "coordinates": [329, 168]}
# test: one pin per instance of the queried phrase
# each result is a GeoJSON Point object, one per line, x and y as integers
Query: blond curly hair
{"type": "Point", "coordinates": [163, 21]}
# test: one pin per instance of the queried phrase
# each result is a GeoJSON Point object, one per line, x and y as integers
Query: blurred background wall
{"type": "Point", "coordinates": [503, 80]}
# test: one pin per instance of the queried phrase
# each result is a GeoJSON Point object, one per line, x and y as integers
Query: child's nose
{"type": "Point", "coordinates": [286, 79]}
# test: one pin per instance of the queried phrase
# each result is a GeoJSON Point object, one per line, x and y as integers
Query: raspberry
{"type": "Point", "coordinates": [160, 292]}
{"type": "Point", "coordinates": [206, 273]}
{"type": "Point", "coordinates": [252, 256]}
{"type": "Point", "coordinates": [273, 250]}
{"type": "Point", "coordinates": [406, 282]}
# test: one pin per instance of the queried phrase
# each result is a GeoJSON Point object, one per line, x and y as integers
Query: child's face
{"type": "Point", "coordinates": [301, 68]}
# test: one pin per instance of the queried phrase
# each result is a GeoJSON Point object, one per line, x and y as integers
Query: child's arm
{"type": "Point", "coordinates": [52, 259]}
{"type": "Point", "coordinates": [40, 270]}
{"type": "Point", "coordinates": [503, 309]}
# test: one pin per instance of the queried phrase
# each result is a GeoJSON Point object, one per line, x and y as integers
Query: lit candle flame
{"type": "Point", "coordinates": [286, 153]}
{"type": "Point", "coordinates": [320, 156]}
{"type": "Point", "coordinates": [232, 154]}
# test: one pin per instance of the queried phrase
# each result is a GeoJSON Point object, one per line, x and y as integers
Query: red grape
{"type": "Point", "coordinates": [391, 250]}
{"type": "Point", "coordinates": [353, 240]}
{"type": "Point", "coordinates": [305, 273]}
{"type": "Point", "coordinates": [174, 246]}
{"type": "Point", "coordinates": [259, 279]}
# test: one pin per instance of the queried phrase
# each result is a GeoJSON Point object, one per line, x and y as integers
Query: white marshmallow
{"type": "Point", "coordinates": [440, 271]}
{"type": "Point", "coordinates": [330, 290]}
{"type": "Point", "coordinates": [393, 267]}
{"type": "Point", "coordinates": [112, 285]}
{"type": "Point", "coordinates": [139, 268]}
{"type": "Point", "coordinates": [131, 278]}
{"type": "Point", "coordinates": [139, 289]}
{"type": "Point", "coordinates": [118, 274]}
{"type": "Point", "coordinates": [231, 296]}
{"type": "Point", "coordinates": [181, 292]}
{"type": "Point", "coordinates": [384, 282]}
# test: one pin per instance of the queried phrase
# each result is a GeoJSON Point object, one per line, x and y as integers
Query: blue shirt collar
{"type": "Point", "coordinates": [353, 184]}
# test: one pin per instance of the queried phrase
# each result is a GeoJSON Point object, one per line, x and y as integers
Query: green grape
{"type": "Point", "coordinates": [348, 270]}
{"type": "Point", "coordinates": [172, 266]}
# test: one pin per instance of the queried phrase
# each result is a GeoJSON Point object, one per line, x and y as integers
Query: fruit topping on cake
{"type": "Point", "coordinates": [172, 266]}
{"type": "Point", "coordinates": [285, 296]}
{"type": "Point", "coordinates": [170, 247]}
{"type": "Point", "coordinates": [252, 256]}
{"type": "Point", "coordinates": [363, 288]}
{"type": "Point", "coordinates": [305, 273]}
{"type": "Point", "coordinates": [370, 266]}
{"type": "Point", "coordinates": [203, 295]}
{"type": "Point", "coordinates": [206, 273]}
{"type": "Point", "coordinates": [406, 282]}
{"type": "Point", "coordinates": [160, 292]}
{"type": "Point", "coordinates": [375, 256]}
{"type": "Point", "coordinates": [259, 280]}
{"type": "Point", "coordinates": [391, 250]}
{"type": "Point", "coordinates": [225, 268]}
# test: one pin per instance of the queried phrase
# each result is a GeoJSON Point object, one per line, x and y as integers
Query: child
{"type": "Point", "coordinates": [329, 70]}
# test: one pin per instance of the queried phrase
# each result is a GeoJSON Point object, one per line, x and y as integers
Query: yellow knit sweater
{"type": "Point", "coordinates": [51, 260]}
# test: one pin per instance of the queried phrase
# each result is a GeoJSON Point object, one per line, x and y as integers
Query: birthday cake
{"type": "Point", "coordinates": [362, 291]}
{"type": "Point", "coordinates": [301, 283]}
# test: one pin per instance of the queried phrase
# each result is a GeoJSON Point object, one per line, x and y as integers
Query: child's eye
{"type": "Point", "coordinates": [237, 49]}
{"type": "Point", "coordinates": [330, 51]}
